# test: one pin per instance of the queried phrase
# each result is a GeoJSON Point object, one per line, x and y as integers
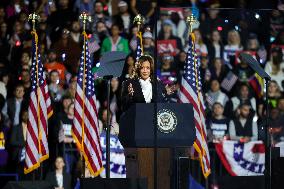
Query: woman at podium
{"type": "Point", "coordinates": [141, 88]}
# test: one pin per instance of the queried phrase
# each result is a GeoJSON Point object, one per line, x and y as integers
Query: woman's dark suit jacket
{"type": "Point", "coordinates": [51, 179]}
{"type": "Point", "coordinates": [128, 100]}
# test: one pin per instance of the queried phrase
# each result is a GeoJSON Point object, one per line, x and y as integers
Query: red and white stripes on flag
{"type": "Point", "coordinates": [190, 92]}
{"type": "Point", "coordinates": [85, 128]}
{"type": "Point", "coordinates": [39, 111]}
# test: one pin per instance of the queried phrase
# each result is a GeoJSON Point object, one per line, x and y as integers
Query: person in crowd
{"type": "Point", "coordinates": [128, 67]}
{"type": "Point", "coordinates": [60, 18]}
{"type": "Point", "coordinates": [115, 42]}
{"type": "Point", "coordinates": [15, 7]}
{"type": "Point", "coordinates": [84, 6]}
{"type": "Point", "coordinates": [100, 14]}
{"type": "Point", "coordinates": [212, 21]}
{"type": "Point", "coordinates": [53, 64]}
{"type": "Point", "coordinates": [233, 45]}
{"type": "Point", "coordinates": [4, 42]}
{"type": "Point", "coordinates": [139, 88]}
{"type": "Point", "coordinates": [165, 16]}
{"type": "Point", "coordinates": [200, 46]}
{"type": "Point", "coordinates": [168, 74]}
{"type": "Point", "coordinates": [25, 78]}
{"type": "Point", "coordinates": [254, 46]}
{"type": "Point", "coordinates": [276, 125]}
{"type": "Point", "coordinates": [280, 105]}
{"type": "Point", "coordinates": [75, 32]}
{"type": "Point", "coordinates": [275, 67]}
{"type": "Point", "coordinates": [100, 32]}
{"type": "Point", "coordinates": [26, 59]}
{"type": "Point", "coordinates": [55, 88]}
{"type": "Point", "coordinates": [12, 107]}
{"type": "Point", "coordinates": [243, 128]}
{"type": "Point", "coordinates": [123, 18]}
{"type": "Point", "coordinates": [68, 50]}
{"type": "Point", "coordinates": [148, 43]}
{"type": "Point", "coordinates": [215, 46]}
{"type": "Point", "coordinates": [218, 124]}
{"type": "Point", "coordinates": [18, 142]}
{"type": "Point", "coordinates": [243, 71]}
{"type": "Point", "coordinates": [67, 144]}
{"type": "Point", "coordinates": [146, 8]}
{"type": "Point", "coordinates": [205, 73]}
{"type": "Point", "coordinates": [218, 70]}
{"type": "Point", "coordinates": [71, 90]}
{"type": "Point", "coordinates": [166, 33]}
{"type": "Point", "coordinates": [59, 179]}
{"type": "Point", "coordinates": [215, 95]}
{"type": "Point", "coordinates": [114, 130]}
{"type": "Point", "coordinates": [244, 96]}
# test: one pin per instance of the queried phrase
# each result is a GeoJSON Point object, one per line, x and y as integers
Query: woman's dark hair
{"type": "Point", "coordinates": [138, 65]}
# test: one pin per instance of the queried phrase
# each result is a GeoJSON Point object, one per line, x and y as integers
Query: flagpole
{"type": "Point", "coordinates": [84, 17]}
{"type": "Point", "coordinates": [34, 17]}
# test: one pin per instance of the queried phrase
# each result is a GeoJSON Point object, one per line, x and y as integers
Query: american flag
{"type": "Point", "coordinates": [190, 92]}
{"type": "Point", "coordinates": [229, 81]}
{"type": "Point", "coordinates": [39, 111]}
{"type": "Point", "coordinates": [85, 124]}
{"type": "Point", "coordinates": [139, 50]}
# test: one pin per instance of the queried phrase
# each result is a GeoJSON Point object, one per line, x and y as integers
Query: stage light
{"type": "Point", "coordinates": [89, 36]}
{"type": "Point", "coordinates": [257, 16]}
{"type": "Point", "coordinates": [18, 43]}
{"type": "Point", "coordinates": [98, 64]}
{"type": "Point", "coordinates": [219, 28]}
{"type": "Point", "coordinates": [63, 56]}
{"type": "Point", "coordinates": [255, 118]}
{"type": "Point", "coordinates": [237, 28]}
{"type": "Point", "coordinates": [226, 21]}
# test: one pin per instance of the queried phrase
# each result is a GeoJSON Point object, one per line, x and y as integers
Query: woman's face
{"type": "Point", "coordinates": [114, 84]}
{"type": "Point", "coordinates": [233, 37]}
{"type": "Point", "coordinates": [216, 36]}
{"type": "Point", "coordinates": [197, 35]}
{"type": "Point", "coordinates": [145, 70]}
{"type": "Point", "coordinates": [218, 109]}
{"type": "Point", "coordinates": [218, 64]}
{"type": "Point", "coordinates": [272, 88]}
{"type": "Point", "coordinates": [244, 92]}
{"type": "Point", "coordinates": [59, 163]}
{"type": "Point", "coordinates": [130, 61]}
{"type": "Point", "coordinates": [215, 86]}
{"type": "Point", "coordinates": [25, 58]}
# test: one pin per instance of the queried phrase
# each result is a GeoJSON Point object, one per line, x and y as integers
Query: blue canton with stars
{"type": "Point", "coordinates": [36, 60]}
{"type": "Point", "coordinates": [89, 78]}
{"type": "Point", "coordinates": [245, 164]}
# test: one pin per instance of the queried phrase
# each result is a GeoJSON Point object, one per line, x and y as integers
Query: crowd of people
{"type": "Point", "coordinates": [236, 112]}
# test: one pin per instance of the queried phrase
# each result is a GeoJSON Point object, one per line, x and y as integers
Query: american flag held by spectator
{"type": "Point", "coordinates": [85, 124]}
{"type": "Point", "coordinates": [40, 110]}
{"type": "Point", "coordinates": [190, 92]}
{"type": "Point", "coordinates": [229, 81]}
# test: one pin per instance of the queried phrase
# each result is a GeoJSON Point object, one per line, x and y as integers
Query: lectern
{"type": "Point", "coordinates": [175, 125]}
{"type": "Point", "coordinates": [175, 128]}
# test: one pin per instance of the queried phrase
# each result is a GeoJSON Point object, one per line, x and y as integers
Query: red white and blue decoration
{"type": "Point", "coordinates": [117, 158]}
{"type": "Point", "coordinates": [242, 159]}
